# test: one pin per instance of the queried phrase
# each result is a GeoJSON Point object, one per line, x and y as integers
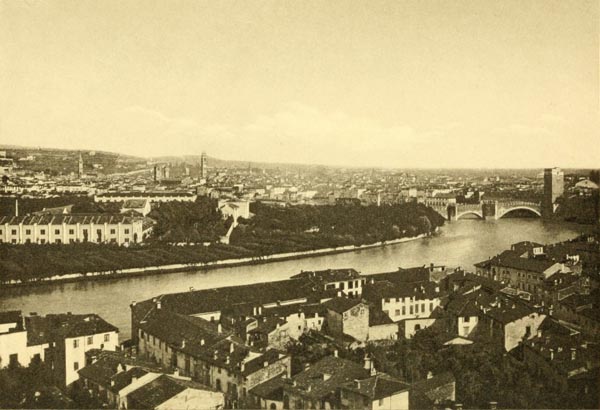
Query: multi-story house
{"type": "Point", "coordinates": [59, 339]}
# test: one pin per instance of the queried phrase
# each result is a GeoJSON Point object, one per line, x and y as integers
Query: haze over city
{"type": "Point", "coordinates": [395, 84]}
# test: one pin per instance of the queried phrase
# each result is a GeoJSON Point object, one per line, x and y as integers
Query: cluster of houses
{"type": "Point", "coordinates": [228, 346]}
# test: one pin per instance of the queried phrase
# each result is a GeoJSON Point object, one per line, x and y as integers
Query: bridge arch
{"type": "Point", "coordinates": [469, 212]}
{"type": "Point", "coordinates": [503, 212]}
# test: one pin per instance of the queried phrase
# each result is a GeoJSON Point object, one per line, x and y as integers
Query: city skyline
{"type": "Point", "coordinates": [398, 85]}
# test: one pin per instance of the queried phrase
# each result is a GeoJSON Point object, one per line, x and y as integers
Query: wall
{"type": "Point", "coordinates": [383, 332]}
{"type": "Point", "coordinates": [192, 399]}
{"type": "Point", "coordinates": [14, 343]}
{"type": "Point", "coordinates": [71, 354]}
{"type": "Point", "coordinates": [356, 322]}
{"type": "Point", "coordinates": [411, 324]}
{"type": "Point", "coordinates": [408, 307]}
{"type": "Point", "coordinates": [398, 401]}
{"type": "Point", "coordinates": [466, 325]}
{"type": "Point", "coordinates": [515, 331]}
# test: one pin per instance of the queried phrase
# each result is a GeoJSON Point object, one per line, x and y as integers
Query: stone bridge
{"type": "Point", "coordinates": [484, 210]}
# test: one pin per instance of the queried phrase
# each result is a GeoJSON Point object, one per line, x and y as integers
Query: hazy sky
{"type": "Point", "coordinates": [376, 83]}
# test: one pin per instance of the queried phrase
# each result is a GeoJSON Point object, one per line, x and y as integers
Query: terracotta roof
{"type": "Point", "coordinates": [323, 378]}
{"type": "Point", "coordinates": [376, 387]}
{"type": "Point", "coordinates": [54, 327]}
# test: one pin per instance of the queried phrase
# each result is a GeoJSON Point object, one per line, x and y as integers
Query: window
{"type": "Point", "coordinates": [42, 232]}
{"type": "Point", "coordinates": [0, 231]}
{"type": "Point", "coordinates": [411, 310]}
{"type": "Point", "coordinates": [107, 337]}
{"type": "Point", "coordinates": [423, 307]}
{"type": "Point", "coordinates": [76, 366]}
{"type": "Point", "coordinates": [342, 286]}
{"type": "Point", "coordinates": [112, 232]}
{"type": "Point", "coordinates": [126, 231]}
{"type": "Point", "coordinates": [71, 231]}
{"type": "Point", "coordinates": [466, 319]}
{"type": "Point", "coordinates": [14, 231]}
{"type": "Point", "coordinates": [13, 359]}
{"type": "Point", "coordinates": [416, 308]}
{"type": "Point", "coordinates": [75, 344]}
{"type": "Point", "coordinates": [431, 306]}
{"type": "Point", "coordinates": [90, 340]}
{"type": "Point", "coordinates": [27, 231]}
{"type": "Point", "coordinates": [403, 310]}
{"type": "Point", "coordinates": [57, 241]}
{"type": "Point", "coordinates": [380, 402]}
{"type": "Point", "coordinates": [397, 312]}
{"type": "Point", "coordinates": [350, 285]}
{"type": "Point", "coordinates": [57, 232]}
{"type": "Point", "coordinates": [465, 330]}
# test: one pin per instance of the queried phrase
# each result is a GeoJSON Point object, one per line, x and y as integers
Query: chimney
{"type": "Point", "coordinates": [368, 363]}
{"type": "Point", "coordinates": [133, 379]}
{"type": "Point", "coordinates": [260, 310]}
{"type": "Point", "coordinates": [183, 344]}
{"type": "Point", "coordinates": [306, 366]}
{"type": "Point", "coordinates": [539, 333]}
{"type": "Point", "coordinates": [215, 355]}
{"type": "Point", "coordinates": [231, 347]}
{"type": "Point", "coordinates": [158, 305]}
{"type": "Point", "coordinates": [309, 388]}
{"type": "Point", "coordinates": [265, 364]}
{"type": "Point", "coordinates": [227, 359]}
{"type": "Point", "coordinates": [133, 303]}
{"type": "Point", "coordinates": [357, 383]}
{"type": "Point", "coordinates": [429, 375]}
{"type": "Point", "coordinates": [573, 353]}
{"type": "Point", "coordinates": [219, 328]}
{"type": "Point", "coordinates": [16, 207]}
{"type": "Point", "coordinates": [551, 354]}
{"type": "Point", "coordinates": [191, 288]}
{"type": "Point", "coordinates": [201, 342]}
{"type": "Point", "coordinates": [335, 353]}
{"type": "Point", "coordinates": [112, 382]}
{"type": "Point", "coordinates": [242, 367]}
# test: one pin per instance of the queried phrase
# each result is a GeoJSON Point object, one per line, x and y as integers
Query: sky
{"type": "Point", "coordinates": [402, 83]}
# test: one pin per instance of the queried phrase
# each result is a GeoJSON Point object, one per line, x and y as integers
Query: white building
{"type": "Point", "coordinates": [97, 228]}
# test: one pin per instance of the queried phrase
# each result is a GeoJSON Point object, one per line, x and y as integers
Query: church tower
{"type": "Point", "coordinates": [80, 166]}
{"type": "Point", "coordinates": [203, 165]}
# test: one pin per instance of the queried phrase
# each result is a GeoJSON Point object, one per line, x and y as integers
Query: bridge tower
{"type": "Point", "coordinates": [554, 187]}
{"type": "Point", "coordinates": [488, 209]}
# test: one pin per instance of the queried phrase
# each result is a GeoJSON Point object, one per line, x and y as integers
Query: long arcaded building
{"type": "Point", "coordinates": [120, 229]}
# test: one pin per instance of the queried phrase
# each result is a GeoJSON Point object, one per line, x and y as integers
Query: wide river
{"type": "Point", "coordinates": [461, 243]}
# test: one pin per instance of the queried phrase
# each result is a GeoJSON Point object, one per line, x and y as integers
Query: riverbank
{"type": "Point", "coordinates": [165, 269]}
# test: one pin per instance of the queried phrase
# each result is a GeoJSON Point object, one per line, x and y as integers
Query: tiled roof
{"type": "Point", "coordinates": [12, 316]}
{"type": "Point", "coordinates": [437, 389]}
{"type": "Point", "coordinates": [376, 387]}
{"type": "Point", "coordinates": [408, 275]}
{"type": "Point", "coordinates": [158, 391]}
{"type": "Point", "coordinates": [54, 327]}
{"type": "Point", "coordinates": [511, 259]}
{"type": "Point", "coordinates": [271, 389]}
{"type": "Point", "coordinates": [68, 219]}
{"type": "Point", "coordinates": [328, 275]}
{"type": "Point", "coordinates": [324, 377]}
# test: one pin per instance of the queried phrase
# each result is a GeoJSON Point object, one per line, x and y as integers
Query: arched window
{"type": "Point", "coordinates": [273, 406]}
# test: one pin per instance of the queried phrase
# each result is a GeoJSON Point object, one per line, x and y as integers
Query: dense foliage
{"type": "Point", "coordinates": [271, 230]}
{"type": "Point", "coordinates": [276, 229]}
{"type": "Point", "coordinates": [31, 388]}
{"type": "Point", "coordinates": [190, 222]}
{"type": "Point", "coordinates": [484, 372]}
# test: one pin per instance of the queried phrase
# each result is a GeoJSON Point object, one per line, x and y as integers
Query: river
{"type": "Point", "coordinates": [461, 243]}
